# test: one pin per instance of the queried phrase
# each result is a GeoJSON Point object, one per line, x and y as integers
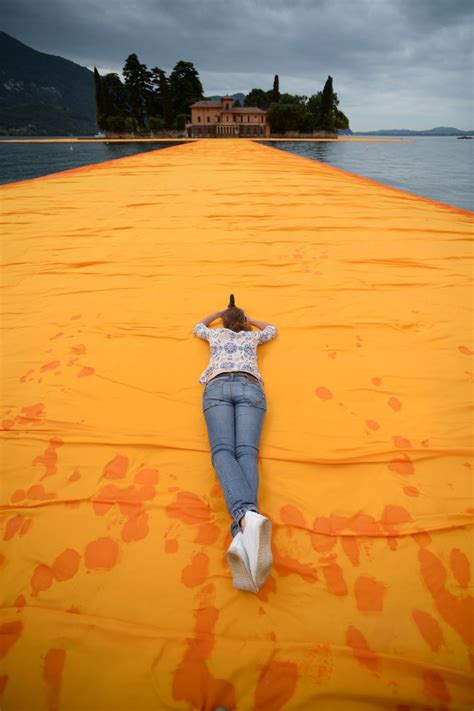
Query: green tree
{"type": "Point", "coordinates": [236, 104]}
{"type": "Point", "coordinates": [99, 102]}
{"type": "Point", "coordinates": [154, 98]}
{"type": "Point", "coordinates": [258, 97]}
{"type": "Point", "coordinates": [315, 106]}
{"type": "Point", "coordinates": [185, 87]}
{"type": "Point", "coordinates": [286, 117]}
{"type": "Point", "coordinates": [137, 81]}
{"type": "Point", "coordinates": [115, 95]}
{"type": "Point", "coordinates": [167, 100]}
{"type": "Point", "coordinates": [276, 90]}
{"type": "Point", "coordinates": [327, 118]}
{"type": "Point", "coordinates": [293, 99]}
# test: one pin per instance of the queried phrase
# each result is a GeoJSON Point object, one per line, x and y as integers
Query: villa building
{"type": "Point", "coordinates": [215, 118]}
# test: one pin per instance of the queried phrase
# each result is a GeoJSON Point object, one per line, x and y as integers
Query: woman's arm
{"type": "Point", "coordinates": [212, 317]}
{"type": "Point", "coordinates": [260, 324]}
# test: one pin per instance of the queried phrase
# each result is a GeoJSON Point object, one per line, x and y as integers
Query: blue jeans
{"type": "Point", "coordinates": [234, 408]}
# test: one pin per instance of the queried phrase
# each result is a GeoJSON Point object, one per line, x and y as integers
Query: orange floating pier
{"type": "Point", "coordinates": [116, 593]}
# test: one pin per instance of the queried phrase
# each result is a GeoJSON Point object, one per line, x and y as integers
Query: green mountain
{"type": "Point", "coordinates": [42, 94]}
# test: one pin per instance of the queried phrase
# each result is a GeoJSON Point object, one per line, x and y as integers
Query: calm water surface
{"type": "Point", "coordinates": [437, 167]}
{"type": "Point", "coordinates": [23, 161]}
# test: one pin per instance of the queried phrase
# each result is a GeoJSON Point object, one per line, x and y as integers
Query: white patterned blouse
{"type": "Point", "coordinates": [231, 350]}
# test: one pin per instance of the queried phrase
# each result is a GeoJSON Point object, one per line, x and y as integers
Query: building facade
{"type": "Point", "coordinates": [215, 118]}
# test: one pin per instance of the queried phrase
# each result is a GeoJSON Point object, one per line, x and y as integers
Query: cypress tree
{"type": "Point", "coordinates": [327, 100]}
{"type": "Point", "coordinates": [99, 101]}
{"type": "Point", "coordinates": [276, 90]}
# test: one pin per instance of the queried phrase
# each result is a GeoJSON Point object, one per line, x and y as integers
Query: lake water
{"type": "Point", "coordinates": [21, 161]}
{"type": "Point", "coordinates": [437, 167]}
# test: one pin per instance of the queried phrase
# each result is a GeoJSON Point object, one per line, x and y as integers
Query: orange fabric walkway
{"type": "Point", "coordinates": [116, 593]}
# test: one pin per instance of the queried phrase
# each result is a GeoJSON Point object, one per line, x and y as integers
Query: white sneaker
{"type": "Point", "coordinates": [256, 539]}
{"type": "Point", "coordinates": [238, 562]}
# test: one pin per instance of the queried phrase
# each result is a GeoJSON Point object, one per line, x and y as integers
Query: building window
{"type": "Point", "coordinates": [199, 119]}
{"type": "Point", "coordinates": [208, 119]}
{"type": "Point", "coordinates": [248, 119]}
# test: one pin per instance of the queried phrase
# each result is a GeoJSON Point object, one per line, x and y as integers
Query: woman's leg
{"type": "Point", "coordinates": [220, 420]}
{"type": "Point", "coordinates": [249, 414]}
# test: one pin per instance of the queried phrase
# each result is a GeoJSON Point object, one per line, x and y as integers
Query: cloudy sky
{"type": "Point", "coordinates": [394, 63]}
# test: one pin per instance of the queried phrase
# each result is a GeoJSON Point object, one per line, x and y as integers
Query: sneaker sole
{"type": "Point", "coordinates": [241, 578]}
{"type": "Point", "coordinates": [265, 557]}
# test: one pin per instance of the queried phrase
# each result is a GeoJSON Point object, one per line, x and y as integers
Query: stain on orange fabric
{"type": "Point", "coordinates": [334, 576]}
{"type": "Point", "coordinates": [458, 612]}
{"type": "Point", "coordinates": [435, 686]}
{"type": "Point", "coordinates": [10, 633]}
{"type": "Point", "coordinates": [13, 525]}
{"type": "Point", "coordinates": [116, 468]}
{"type": "Point", "coordinates": [53, 665]}
{"type": "Point", "coordinates": [37, 492]}
{"type": "Point", "coordinates": [50, 458]}
{"type": "Point", "coordinates": [192, 680]}
{"type": "Point", "coordinates": [285, 565]}
{"type": "Point", "coordinates": [171, 545]}
{"type": "Point", "coordinates": [323, 393]}
{"type": "Point", "coordinates": [188, 508]}
{"type": "Point", "coordinates": [350, 547]}
{"type": "Point", "coordinates": [101, 554]}
{"type": "Point", "coordinates": [42, 579]}
{"type": "Point", "coordinates": [25, 526]}
{"type": "Point", "coordinates": [292, 516]}
{"type": "Point", "coordinates": [460, 567]}
{"type": "Point", "coordinates": [276, 685]}
{"type": "Point", "coordinates": [401, 442]}
{"type": "Point", "coordinates": [31, 413]}
{"type": "Point", "coordinates": [197, 571]}
{"type": "Point", "coordinates": [402, 465]}
{"type": "Point", "coordinates": [207, 533]}
{"type": "Point", "coordinates": [429, 629]}
{"type": "Point", "coordinates": [66, 564]}
{"type": "Point", "coordinates": [372, 424]}
{"type": "Point", "coordinates": [146, 476]}
{"type": "Point", "coordinates": [136, 528]}
{"type": "Point", "coordinates": [410, 491]}
{"type": "Point", "coordinates": [361, 650]}
{"type": "Point", "coordinates": [80, 349]}
{"type": "Point", "coordinates": [369, 593]}
{"type": "Point", "coordinates": [394, 403]}
{"type": "Point", "coordinates": [50, 366]}
{"type": "Point", "coordinates": [270, 587]}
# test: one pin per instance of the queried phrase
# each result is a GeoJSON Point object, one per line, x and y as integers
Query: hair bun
{"type": "Point", "coordinates": [231, 302]}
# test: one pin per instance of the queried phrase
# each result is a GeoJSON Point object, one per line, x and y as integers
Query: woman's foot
{"type": "Point", "coordinates": [257, 542]}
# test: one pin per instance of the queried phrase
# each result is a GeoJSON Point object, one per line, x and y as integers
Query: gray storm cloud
{"type": "Point", "coordinates": [398, 64]}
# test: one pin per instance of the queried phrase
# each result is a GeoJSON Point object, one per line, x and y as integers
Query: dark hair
{"type": "Point", "coordinates": [234, 319]}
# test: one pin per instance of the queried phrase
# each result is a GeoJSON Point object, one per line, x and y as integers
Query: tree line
{"type": "Point", "coordinates": [291, 112]}
{"type": "Point", "coordinates": [148, 100]}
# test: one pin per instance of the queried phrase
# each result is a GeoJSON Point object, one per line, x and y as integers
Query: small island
{"type": "Point", "coordinates": [150, 104]}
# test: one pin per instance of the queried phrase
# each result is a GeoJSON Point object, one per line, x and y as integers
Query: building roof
{"type": "Point", "coordinates": [217, 104]}
{"type": "Point", "coordinates": [209, 104]}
